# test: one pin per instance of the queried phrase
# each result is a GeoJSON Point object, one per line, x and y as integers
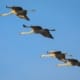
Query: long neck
{"type": "Point", "coordinates": [6, 14]}
{"type": "Point", "coordinates": [25, 33]}
{"type": "Point", "coordinates": [46, 55]}
{"type": "Point", "coordinates": [64, 64]}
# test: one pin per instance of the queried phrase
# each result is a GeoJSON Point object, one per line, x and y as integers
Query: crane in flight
{"type": "Point", "coordinates": [38, 30]}
{"type": "Point", "coordinates": [56, 54]}
{"type": "Point", "coordinates": [70, 62]}
{"type": "Point", "coordinates": [18, 11]}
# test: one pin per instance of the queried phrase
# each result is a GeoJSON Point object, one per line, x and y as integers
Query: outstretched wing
{"type": "Point", "coordinates": [23, 14]}
{"type": "Point", "coordinates": [46, 33]}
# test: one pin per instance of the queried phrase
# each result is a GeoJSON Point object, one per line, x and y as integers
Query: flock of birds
{"type": "Point", "coordinates": [22, 13]}
{"type": "Point", "coordinates": [62, 57]}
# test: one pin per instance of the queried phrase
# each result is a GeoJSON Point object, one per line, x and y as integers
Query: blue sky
{"type": "Point", "coordinates": [20, 55]}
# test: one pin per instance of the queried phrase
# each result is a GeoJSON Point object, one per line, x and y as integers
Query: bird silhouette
{"type": "Point", "coordinates": [70, 62]}
{"type": "Point", "coordinates": [18, 11]}
{"type": "Point", "coordinates": [38, 30]}
{"type": "Point", "coordinates": [56, 54]}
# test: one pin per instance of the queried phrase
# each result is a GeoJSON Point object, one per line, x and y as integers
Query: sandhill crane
{"type": "Point", "coordinates": [56, 54]}
{"type": "Point", "coordinates": [18, 11]}
{"type": "Point", "coordinates": [70, 62]}
{"type": "Point", "coordinates": [38, 30]}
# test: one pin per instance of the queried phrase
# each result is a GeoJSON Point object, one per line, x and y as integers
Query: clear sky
{"type": "Point", "coordinates": [20, 55]}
